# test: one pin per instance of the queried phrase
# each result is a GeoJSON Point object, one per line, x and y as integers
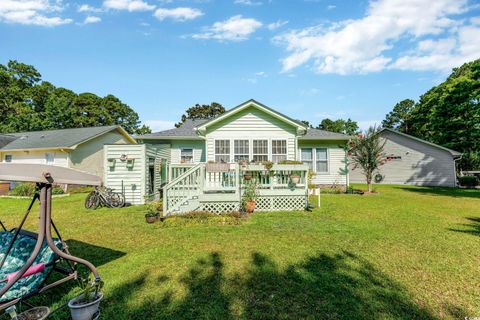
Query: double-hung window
{"type": "Point", "coordinates": [279, 150]}
{"type": "Point", "coordinates": [49, 158]}
{"type": "Point", "coordinates": [321, 160]}
{"type": "Point", "coordinates": [241, 150]}
{"type": "Point", "coordinates": [222, 151]}
{"type": "Point", "coordinates": [260, 150]}
{"type": "Point", "coordinates": [307, 157]}
{"type": "Point", "coordinates": [186, 155]}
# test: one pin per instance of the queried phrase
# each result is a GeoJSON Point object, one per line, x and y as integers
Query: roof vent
{"type": "Point", "coordinates": [23, 137]}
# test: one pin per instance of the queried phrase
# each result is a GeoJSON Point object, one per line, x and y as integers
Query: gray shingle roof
{"type": "Point", "coordinates": [6, 139]}
{"type": "Point", "coordinates": [187, 129]}
{"type": "Point", "coordinates": [317, 134]}
{"type": "Point", "coordinates": [64, 138]}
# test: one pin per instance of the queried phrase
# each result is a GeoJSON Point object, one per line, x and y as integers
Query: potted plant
{"type": "Point", "coordinates": [247, 176]}
{"type": "Point", "coordinates": [295, 178]}
{"type": "Point", "coordinates": [86, 305]}
{"type": "Point", "coordinates": [249, 197]}
{"type": "Point", "coordinates": [153, 211]}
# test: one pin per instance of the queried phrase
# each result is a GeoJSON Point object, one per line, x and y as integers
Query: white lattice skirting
{"type": "Point", "coordinates": [264, 203]}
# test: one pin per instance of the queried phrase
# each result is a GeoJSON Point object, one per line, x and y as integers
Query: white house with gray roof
{"type": "Point", "coordinates": [80, 148]}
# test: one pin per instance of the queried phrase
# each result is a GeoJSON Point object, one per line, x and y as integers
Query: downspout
{"type": "Point", "coordinates": [455, 170]}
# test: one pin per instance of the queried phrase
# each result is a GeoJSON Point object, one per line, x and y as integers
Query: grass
{"type": "Point", "coordinates": [405, 253]}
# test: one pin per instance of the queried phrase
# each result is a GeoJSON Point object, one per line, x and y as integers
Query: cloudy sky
{"type": "Point", "coordinates": [309, 59]}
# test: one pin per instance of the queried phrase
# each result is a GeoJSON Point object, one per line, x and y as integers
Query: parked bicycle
{"type": "Point", "coordinates": [104, 197]}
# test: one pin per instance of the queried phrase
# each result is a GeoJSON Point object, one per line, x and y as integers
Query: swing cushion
{"type": "Point", "coordinates": [21, 251]}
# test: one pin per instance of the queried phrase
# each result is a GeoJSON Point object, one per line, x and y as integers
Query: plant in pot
{"type": "Point", "coordinates": [153, 211]}
{"type": "Point", "coordinates": [86, 305]}
{"type": "Point", "coordinates": [295, 178]}
{"type": "Point", "coordinates": [249, 197]}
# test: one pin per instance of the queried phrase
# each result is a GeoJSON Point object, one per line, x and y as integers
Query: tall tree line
{"type": "Point", "coordinates": [447, 114]}
{"type": "Point", "coordinates": [28, 104]}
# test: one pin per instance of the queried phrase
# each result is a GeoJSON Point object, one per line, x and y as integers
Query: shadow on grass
{"type": "Point", "coordinates": [473, 227]}
{"type": "Point", "coordinates": [95, 254]}
{"type": "Point", "coordinates": [441, 191]}
{"type": "Point", "coordinates": [342, 286]}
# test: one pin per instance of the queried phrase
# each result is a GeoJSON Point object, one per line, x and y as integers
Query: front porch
{"type": "Point", "coordinates": [218, 187]}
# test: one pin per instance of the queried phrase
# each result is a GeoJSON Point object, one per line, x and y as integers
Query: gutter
{"type": "Point", "coordinates": [455, 169]}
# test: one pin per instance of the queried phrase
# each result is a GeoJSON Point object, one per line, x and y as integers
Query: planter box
{"type": "Point", "coordinates": [290, 167]}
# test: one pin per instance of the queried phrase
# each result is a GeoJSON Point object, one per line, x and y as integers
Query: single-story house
{"type": "Point", "coordinates": [413, 161]}
{"type": "Point", "coordinates": [80, 148]}
{"type": "Point", "coordinates": [203, 156]}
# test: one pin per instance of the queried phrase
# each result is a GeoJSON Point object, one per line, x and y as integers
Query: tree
{"type": "Point", "coordinates": [348, 126]}
{"type": "Point", "coordinates": [307, 123]}
{"type": "Point", "coordinates": [400, 117]}
{"type": "Point", "coordinates": [27, 103]}
{"type": "Point", "coordinates": [366, 151]}
{"type": "Point", "coordinates": [204, 111]}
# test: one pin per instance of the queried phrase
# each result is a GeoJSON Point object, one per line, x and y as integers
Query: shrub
{"type": "Point", "coordinates": [23, 190]}
{"type": "Point", "coordinates": [468, 181]}
{"type": "Point", "coordinates": [57, 190]}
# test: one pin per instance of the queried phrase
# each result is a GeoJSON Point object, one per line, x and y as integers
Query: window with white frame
{"type": "Point", "coordinates": [8, 158]}
{"type": "Point", "coordinates": [321, 160]}
{"type": "Point", "coordinates": [241, 150]}
{"type": "Point", "coordinates": [279, 150]}
{"type": "Point", "coordinates": [49, 158]}
{"type": "Point", "coordinates": [307, 157]}
{"type": "Point", "coordinates": [186, 155]}
{"type": "Point", "coordinates": [222, 151]}
{"type": "Point", "coordinates": [260, 150]}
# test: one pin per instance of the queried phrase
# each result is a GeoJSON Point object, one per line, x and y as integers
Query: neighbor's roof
{"type": "Point", "coordinates": [186, 130]}
{"type": "Point", "coordinates": [317, 134]}
{"type": "Point", "coordinates": [452, 152]}
{"type": "Point", "coordinates": [6, 139]}
{"type": "Point", "coordinates": [58, 139]}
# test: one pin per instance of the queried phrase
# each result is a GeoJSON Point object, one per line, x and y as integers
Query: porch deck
{"type": "Point", "coordinates": [219, 188]}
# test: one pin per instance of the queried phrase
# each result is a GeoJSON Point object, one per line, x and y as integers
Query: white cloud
{"type": "Point", "coordinates": [178, 14]}
{"type": "Point", "coordinates": [261, 74]}
{"type": "Point", "coordinates": [129, 5]}
{"type": "Point", "coordinates": [32, 12]}
{"type": "Point", "coordinates": [88, 8]}
{"type": "Point", "coordinates": [331, 7]}
{"type": "Point", "coordinates": [160, 125]}
{"type": "Point", "coordinates": [235, 28]}
{"type": "Point", "coordinates": [91, 19]}
{"type": "Point", "coordinates": [248, 2]}
{"type": "Point", "coordinates": [275, 25]}
{"type": "Point", "coordinates": [365, 45]}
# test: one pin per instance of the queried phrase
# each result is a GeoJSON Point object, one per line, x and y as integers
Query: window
{"type": "Point", "coordinates": [307, 157]}
{"type": "Point", "coordinates": [186, 155]}
{"type": "Point", "coordinates": [279, 150]}
{"type": "Point", "coordinates": [49, 158]}
{"type": "Point", "coordinates": [321, 160]}
{"type": "Point", "coordinates": [241, 150]}
{"type": "Point", "coordinates": [260, 150]}
{"type": "Point", "coordinates": [222, 151]}
{"type": "Point", "coordinates": [8, 158]}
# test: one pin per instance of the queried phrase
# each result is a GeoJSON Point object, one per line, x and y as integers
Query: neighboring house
{"type": "Point", "coordinates": [200, 167]}
{"type": "Point", "coordinates": [80, 148]}
{"type": "Point", "coordinates": [413, 161]}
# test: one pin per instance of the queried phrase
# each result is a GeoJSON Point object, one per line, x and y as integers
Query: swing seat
{"type": "Point", "coordinates": [21, 251]}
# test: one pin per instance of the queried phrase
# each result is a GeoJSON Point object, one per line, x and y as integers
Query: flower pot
{"type": "Point", "coordinates": [84, 311]}
{"type": "Point", "coordinates": [250, 206]}
{"type": "Point", "coordinates": [247, 177]}
{"type": "Point", "coordinates": [37, 313]}
{"type": "Point", "coordinates": [151, 219]}
{"type": "Point", "coordinates": [295, 178]}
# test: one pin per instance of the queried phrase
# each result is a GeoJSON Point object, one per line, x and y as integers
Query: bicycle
{"type": "Point", "coordinates": [106, 197]}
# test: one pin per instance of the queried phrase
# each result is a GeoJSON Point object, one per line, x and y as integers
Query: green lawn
{"type": "Point", "coordinates": [405, 253]}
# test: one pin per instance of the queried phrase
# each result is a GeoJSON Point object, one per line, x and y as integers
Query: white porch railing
{"type": "Point", "coordinates": [177, 169]}
{"type": "Point", "coordinates": [183, 193]}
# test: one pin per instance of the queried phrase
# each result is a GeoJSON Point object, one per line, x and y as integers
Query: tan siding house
{"type": "Point", "coordinates": [80, 148]}
{"type": "Point", "coordinates": [413, 161]}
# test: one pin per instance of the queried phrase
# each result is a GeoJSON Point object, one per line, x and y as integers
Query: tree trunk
{"type": "Point", "coordinates": [369, 186]}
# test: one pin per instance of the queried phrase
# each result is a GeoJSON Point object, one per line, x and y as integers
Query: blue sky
{"type": "Point", "coordinates": [309, 59]}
